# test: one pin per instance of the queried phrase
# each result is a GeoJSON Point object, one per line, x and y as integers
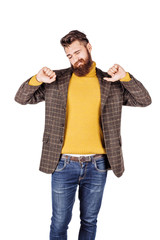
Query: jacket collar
{"type": "Point", "coordinates": [65, 76]}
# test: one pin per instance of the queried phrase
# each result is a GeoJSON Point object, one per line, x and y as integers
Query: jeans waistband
{"type": "Point", "coordinates": [83, 158]}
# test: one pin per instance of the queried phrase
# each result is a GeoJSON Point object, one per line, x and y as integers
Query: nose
{"type": "Point", "coordinates": [75, 59]}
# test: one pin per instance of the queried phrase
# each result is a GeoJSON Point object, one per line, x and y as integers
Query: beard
{"type": "Point", "coordinates": [82, 66]}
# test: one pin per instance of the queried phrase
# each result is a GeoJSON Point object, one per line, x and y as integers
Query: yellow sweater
{"type": "Point", "coordinates": [83, 133]}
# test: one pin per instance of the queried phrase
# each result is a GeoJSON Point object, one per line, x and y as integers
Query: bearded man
{"type": "Point", "coordinates": [81, 139]}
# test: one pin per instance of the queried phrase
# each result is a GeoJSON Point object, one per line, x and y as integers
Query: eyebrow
{"type": "Point", "coordinates": [73, 53]}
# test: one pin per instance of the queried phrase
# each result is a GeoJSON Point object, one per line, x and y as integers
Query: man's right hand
{"type": "Point", "coordinates": [46, 75]}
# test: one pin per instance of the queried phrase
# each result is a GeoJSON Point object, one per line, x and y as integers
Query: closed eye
{"type": "Point", "coordinates": [77, 52]}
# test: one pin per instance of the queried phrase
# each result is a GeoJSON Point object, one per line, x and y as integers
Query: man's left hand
{"type": "Point", "coordinates": [116, 72]}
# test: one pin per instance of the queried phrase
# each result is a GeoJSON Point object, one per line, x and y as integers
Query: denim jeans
{"type": "Point", "coordinates": [91, 178]}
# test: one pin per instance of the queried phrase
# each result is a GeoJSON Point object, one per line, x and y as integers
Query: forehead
{"type": "Point", "coordinates": [76, 45]}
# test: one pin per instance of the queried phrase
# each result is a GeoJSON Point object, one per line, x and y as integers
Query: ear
{"type": "Point", "coordinates": [89, 47]}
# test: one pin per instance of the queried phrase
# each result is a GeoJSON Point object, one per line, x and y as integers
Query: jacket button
{"type": "Point", "coordinates": [62, 124]}
{"type": "Point", "coordinates": [61, 140]}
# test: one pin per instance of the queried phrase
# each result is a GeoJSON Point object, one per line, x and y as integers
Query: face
{"type": "Point", "coordinates": [79, 57]}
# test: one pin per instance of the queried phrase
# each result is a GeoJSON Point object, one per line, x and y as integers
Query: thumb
{"type": "Point", "coordinates": [108, 79]}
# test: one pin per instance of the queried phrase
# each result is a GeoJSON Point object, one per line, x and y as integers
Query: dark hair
{"type": "Point", "coordinates": [73, 36]}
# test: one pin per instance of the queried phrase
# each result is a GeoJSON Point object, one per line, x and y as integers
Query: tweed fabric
{"type": "Point", "coordinates": [113, 96]}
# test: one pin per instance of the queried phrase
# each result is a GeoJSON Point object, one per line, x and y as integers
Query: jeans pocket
{"type": "Point", "coordinates": [101, 165]}
{"type": "Point", "coordinates": [61, 165]}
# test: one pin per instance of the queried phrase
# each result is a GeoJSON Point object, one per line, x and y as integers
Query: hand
{"type": "Point", "coordinates": [46, 75]}
{"type": "Point", "coordinates": [116, 72]}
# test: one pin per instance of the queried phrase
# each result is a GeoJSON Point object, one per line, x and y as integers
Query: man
{"type": "Point", "coordinates": [81, 140]}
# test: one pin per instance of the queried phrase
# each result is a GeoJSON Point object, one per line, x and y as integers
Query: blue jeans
{"type": "Point", "coordinates": [91, 178]}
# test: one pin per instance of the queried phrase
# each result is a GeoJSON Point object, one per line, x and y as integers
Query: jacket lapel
{"type": "Point", "coordinates": [63, 83]}
{"type": "Point", "coordinates": [104, 86]}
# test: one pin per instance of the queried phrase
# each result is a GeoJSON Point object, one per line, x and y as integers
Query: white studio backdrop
{"type": "Point", "coordinates": [123, 32]}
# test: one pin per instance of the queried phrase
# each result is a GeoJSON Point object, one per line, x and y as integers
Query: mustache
{"type": "Point", "coordinates": [79, 61]}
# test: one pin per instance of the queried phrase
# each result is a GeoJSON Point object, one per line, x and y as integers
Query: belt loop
{"type": "Point", "coordinates": [80, 157]}
{"type": "Point", "coordinates": [92, 158]}
{"type": "Point", "coordinates": [68, 159]}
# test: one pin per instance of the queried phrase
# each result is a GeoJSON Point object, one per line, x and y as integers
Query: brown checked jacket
{"type": "Point", "coordinates": [113, 96]}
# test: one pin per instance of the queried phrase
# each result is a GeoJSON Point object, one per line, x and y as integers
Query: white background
{"type": "Point", "coordinates": [123, 32]}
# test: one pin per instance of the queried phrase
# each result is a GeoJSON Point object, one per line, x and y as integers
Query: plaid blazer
{"type": "Point", "coordinates": [113, 96]}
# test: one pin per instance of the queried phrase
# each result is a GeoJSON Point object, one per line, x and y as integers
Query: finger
{"type": "Point", "coordinates": [52, 79]}
{"type": "Point", "coordinates": [119, 67]}
{"type": "Point", "coordinates": [52, 75]}
{"type": "Point", "coordinates": [110, 72]}
{"type": "Point", "coordinates": [108, 79]}
{"type": "Point", "coordinates": [49, 73]}
{"type": "Point", "coordinates": [114, 69]}
{"type": "Point", "coordinates": [44, 69]}
{"type": "Point", "coordinates": [112, 79]}
{"type": "Point", "coordinates": [116, 66]}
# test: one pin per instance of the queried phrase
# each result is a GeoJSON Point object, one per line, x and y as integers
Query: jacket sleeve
{"type": "Point", "coordinates": [28, 94]}
{"type": "Point", "coordinates": [134, 93]}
